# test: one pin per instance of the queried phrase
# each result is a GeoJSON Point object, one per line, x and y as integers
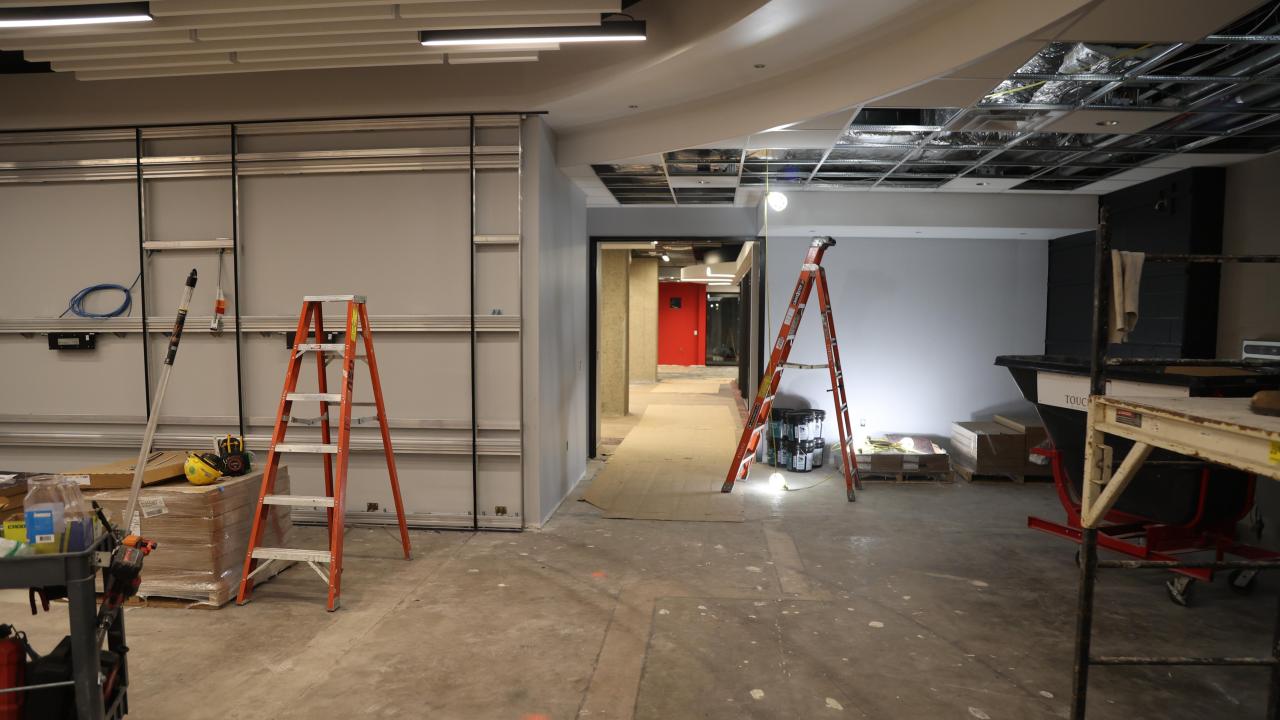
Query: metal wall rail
{"type": "Point", "coordinates": [270, 324]}
{"type": "Point", "coordinates": [263, 168]}
{"type": "Point", "coordinates": [299, 126]}
{"type": "Point", "coordinates": [186, 441]}
{"type": "Point", "coordinates": [254, 157]}
{"type": "Point", "coordinates": [1089, 565]}
{"type": "Point", "coordinates": [254, 420]}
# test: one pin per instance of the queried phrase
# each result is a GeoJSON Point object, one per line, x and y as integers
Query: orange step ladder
{"type": "Point", "coordinates": [812, 275]}
{"type": "Point", "coordinates": [311, 320]}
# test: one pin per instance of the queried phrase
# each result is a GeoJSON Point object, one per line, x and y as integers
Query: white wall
{"type": "Point", "coordinates": [555, 263]}
{"type": "Point", "coordinates": [1250, 293]}
{"type": "Point", "coordinates": [686, 221]}
{"type": "Point", "coordinates": [919, 323]}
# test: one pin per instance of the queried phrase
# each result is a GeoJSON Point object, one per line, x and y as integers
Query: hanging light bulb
{"type": "Point", "coordinates": [777, 201]}
{"type": "Point", "coordinates": [666, 257]}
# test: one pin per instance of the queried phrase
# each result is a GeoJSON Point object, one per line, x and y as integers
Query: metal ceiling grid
{"type": "Point", "coordinates": [1219, 95]}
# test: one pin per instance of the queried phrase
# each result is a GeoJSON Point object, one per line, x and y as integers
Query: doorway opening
{"type": "Point", "coordinates": [676, 342]}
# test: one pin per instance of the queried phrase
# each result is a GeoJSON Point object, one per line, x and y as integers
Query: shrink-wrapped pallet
{"type": "Point", "coordinates": [202, 532]}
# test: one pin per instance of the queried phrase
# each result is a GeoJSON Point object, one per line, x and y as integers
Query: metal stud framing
{"type": "Point", "coordinates": [233, 165]}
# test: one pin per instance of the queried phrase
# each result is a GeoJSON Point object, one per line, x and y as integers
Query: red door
{"type": "Point", "coordinates": [682, 319]}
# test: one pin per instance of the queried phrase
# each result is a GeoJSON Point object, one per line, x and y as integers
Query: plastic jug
{"type": "Point", "coordinates": [78, 517]}
{"type": "Point", "coordinates": [45, 510]}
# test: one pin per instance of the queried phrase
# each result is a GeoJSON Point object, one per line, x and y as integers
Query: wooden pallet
{"type": "Point", "coordinates": [964, 474]}
{"type": "Point", "coordinates": [907, 476]}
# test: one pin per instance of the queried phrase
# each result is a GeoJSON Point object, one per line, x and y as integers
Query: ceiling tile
{"type": "Point", "coordinates": [1186, 160]}
{"type": "Point", "coordinates": [1155, 20]}
{"type": "Point", "coordinates": [966, 184]}
{"type": "Point", "coordinates": [1108, 122]}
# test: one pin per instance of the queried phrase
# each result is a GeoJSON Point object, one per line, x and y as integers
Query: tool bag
{"type": "Point", "coordinates": [14, 651]}
{"type": "Point", "coordinates": [51, 703]}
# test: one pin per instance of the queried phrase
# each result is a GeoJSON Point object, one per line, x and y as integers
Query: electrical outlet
{"type": "Point", "coordinates": [371, 507]}
{"type": "Point", "coordinates": [499, 509]}
{"type": "Point", "coordinates": [862, 422]}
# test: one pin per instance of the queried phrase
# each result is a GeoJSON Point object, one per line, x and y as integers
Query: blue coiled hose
{"type": "Point", "coordinates": [76, 305]}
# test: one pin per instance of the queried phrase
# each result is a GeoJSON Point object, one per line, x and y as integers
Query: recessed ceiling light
{"type": "Point", "coordinates": [62, 15]}
{"type": "Point", "coordinates": [613, 31]}
{"type": "Point", "coordinates": [1107, 123]}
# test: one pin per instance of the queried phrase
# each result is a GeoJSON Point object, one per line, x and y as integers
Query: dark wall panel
{"type": "Point", "coordinates": [1178, 213]}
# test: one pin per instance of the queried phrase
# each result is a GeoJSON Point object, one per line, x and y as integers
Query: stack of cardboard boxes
{"type": "Point", "coordinates": [1001, 446]}
{"type": "Point", "coordinates": [901, 456]}
{"type": "Point", "coordinates": [201, 531]}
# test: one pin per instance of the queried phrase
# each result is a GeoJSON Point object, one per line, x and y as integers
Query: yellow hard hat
{"type": "Point", "coordinates": [203, 469]}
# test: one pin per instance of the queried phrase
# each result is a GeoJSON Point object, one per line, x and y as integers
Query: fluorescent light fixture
{"type": "Point", "coordinates": [613, 31]}
{"type": "Point", "coordinates": [61, 15]}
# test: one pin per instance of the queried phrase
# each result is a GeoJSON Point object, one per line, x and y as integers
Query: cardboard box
{"type": "Point", "coordinates": [1033, 435]}
{"type": "Point", "coordinates": [162, 466]}
{"type": "Point", "coordinates": [988, 448]}
{"type": "Point", "coordinates": [928, 458]}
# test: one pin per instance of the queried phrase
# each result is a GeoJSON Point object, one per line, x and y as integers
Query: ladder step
{"type": "Point", "coordinates": [333, 298]}
{"type": "Point", "coordinates": [320, 347]}
{"type": "Point", "coordinates": [306, 448]}
{"type": "Point", "coordinates": [266, 553]}
{"type": "Point", "coordinates": [298, 500]}
{"type": "Point", "coordinates": [314, 397]}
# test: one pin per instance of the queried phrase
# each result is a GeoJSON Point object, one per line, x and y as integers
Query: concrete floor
{"type": "Point", "coordinates": [919, 601]}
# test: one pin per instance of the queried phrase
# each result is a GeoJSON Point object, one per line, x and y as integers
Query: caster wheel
{"type": "Point", "coordinates": [1179, 589]}
{"type": "Point", "coordinates": [1242, 581]}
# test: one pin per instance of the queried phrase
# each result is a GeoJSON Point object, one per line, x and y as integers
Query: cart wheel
{"type": "Point", "coordinates": [1242, 581]}
{"type": "Point", "coordinates": [1179, 588]}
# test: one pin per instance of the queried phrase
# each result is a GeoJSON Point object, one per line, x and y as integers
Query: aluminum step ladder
{"type": "Point", "coordinates": [812, 275]}
{"type": "Point", "coordinates": [311, 320]}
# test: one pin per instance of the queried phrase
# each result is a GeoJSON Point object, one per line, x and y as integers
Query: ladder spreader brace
{"type": "Point", "coordinates": [811, 274]}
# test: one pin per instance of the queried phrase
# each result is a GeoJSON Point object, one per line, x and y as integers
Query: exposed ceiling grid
{"type": "Point", "coordinates": [1074, 114]}
{"type": "Point", "coordinates": [199, 37]}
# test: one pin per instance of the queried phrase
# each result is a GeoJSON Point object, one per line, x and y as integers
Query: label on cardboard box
{"type": "Point", "coordinates": [152, 506]}
{"type": "Point", "coordinates": [78, 479]}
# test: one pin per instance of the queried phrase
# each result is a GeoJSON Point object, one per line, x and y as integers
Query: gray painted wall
{"type": "Point", "coordinates": [555, 228]}
{"type": "Point", "coordinates": [672, 222]}
{"type": "Point", "coordinates": [919, 322]}
{"type": "Point", "coordinates": [1250, 294]}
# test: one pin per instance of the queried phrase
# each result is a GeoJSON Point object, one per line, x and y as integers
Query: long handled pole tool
{"type": "Point", "coordinates": [147, 437]}
{"type": "Point", "coordinates": [123, 575]}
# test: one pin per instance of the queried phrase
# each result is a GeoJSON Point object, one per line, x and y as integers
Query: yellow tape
{"type": "Point", "coordinates": [1274, 455]}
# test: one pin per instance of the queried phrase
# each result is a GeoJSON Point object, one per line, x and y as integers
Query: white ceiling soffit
{"type": "Point", "coordinates": [198, 37]}
{"type": "Point", "coordinates": [908, 42]}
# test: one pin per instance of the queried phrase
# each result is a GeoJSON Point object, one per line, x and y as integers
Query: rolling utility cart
{"type": "Point", "coordinates": [91, 679]}
{"type": "Point", "coordinates": [1219, 430]}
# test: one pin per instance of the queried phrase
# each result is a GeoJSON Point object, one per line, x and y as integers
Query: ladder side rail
{"type": "Point", "coordinates": [840, 399]}
{"type": "Point", "coordinates": [322, 386]}
{"type": "Point", "coordinates": [273, 458]}
{"type": "Point", "coordinates": [385, 429]}
{"type": "Point", "coordinates": [337, 527]}
{"type": "Point", "coordinates": [759, 414]}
